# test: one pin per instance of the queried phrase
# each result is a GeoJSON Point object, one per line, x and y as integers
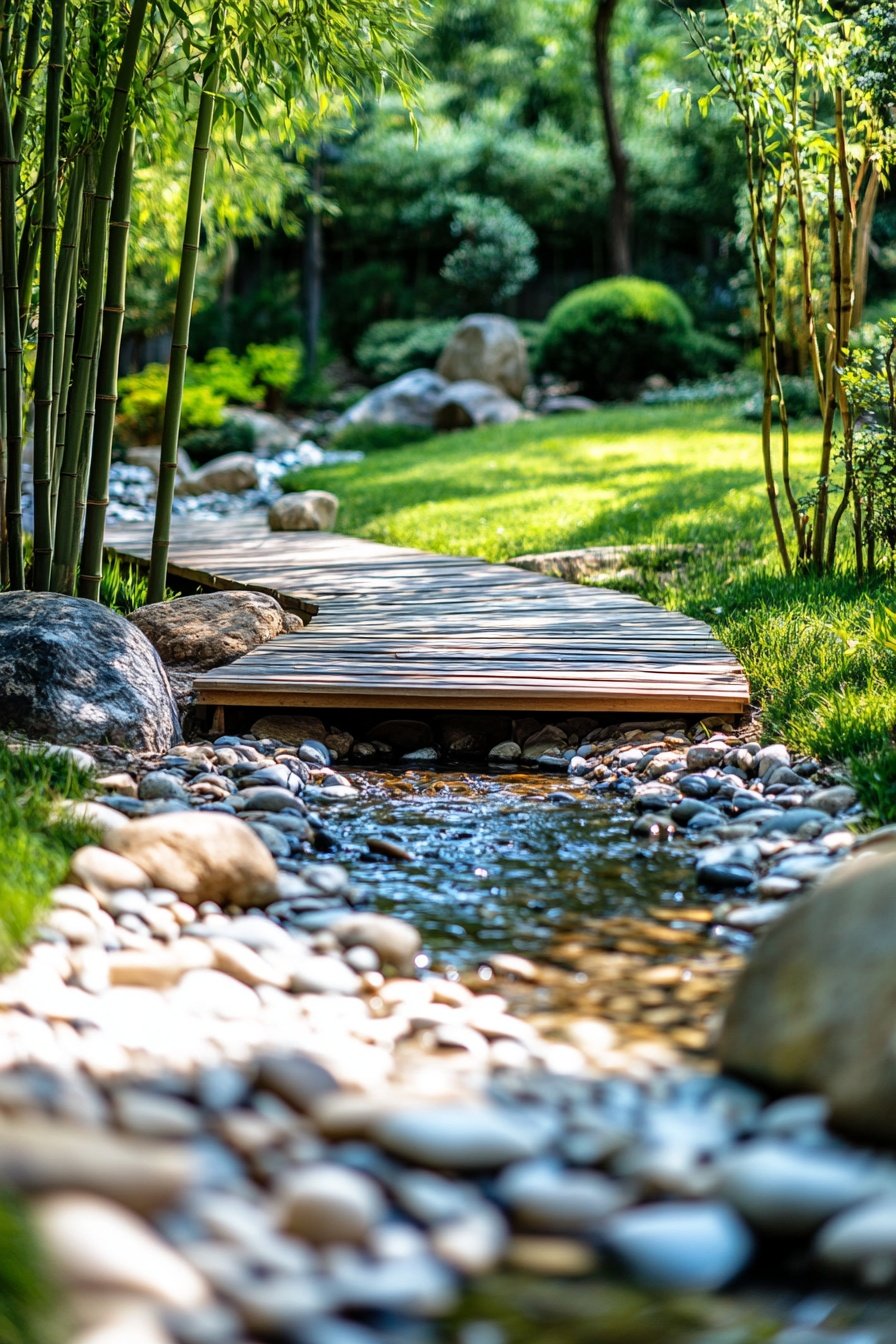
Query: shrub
{"type": "Point", "coordinates": [389, 349]}
{"type": "Point", "coordinates": [370, 438]}
{"type": "Point", "coordinates": [227, 375]}
{"type": "Point", "coordinates": [232, 436]}
{"type": "Point", "coordinates": [800, 398]}
{"type": "Point", "coordinates": [610, 336]}
{"type": "Point", "coordinates": [495, 255]}
{"type": "Point", "coordinates": [264, 373]}
{"type": "Point", "coordinates": [142, 405]}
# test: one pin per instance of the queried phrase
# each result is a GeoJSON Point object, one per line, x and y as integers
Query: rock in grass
{"type": "Point", "coordinates": [73, 671]}
{"type": "Point", "coordinates": [488, 347]}
{"type": "Point", "coordinates": [815, 1007]}
{"type": "Point", "coordinates": [304, 511]}
{"type": "Point", "coordinates": [202, 856]}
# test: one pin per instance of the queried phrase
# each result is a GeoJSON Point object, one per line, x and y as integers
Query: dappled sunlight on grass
{"type": "Point", "coordinates": [616, 476]}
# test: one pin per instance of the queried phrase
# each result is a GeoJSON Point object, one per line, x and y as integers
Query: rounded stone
{"type": "Point", "coordinates": [546, 1198]}
{"type": "Point", "coordinates": [460, 1138]}
{"type": "Point", "coordinates": [395, 941]}
{"type": "Point", "coordinates": [695, 1247]}
{"type": "Point", "coordinates": [327, 1203]}
{"type": "Point", "coordinates": [200, 856]}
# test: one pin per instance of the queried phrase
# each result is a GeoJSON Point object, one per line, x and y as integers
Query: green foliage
{"type": "Point", "coordinates": [495, 255]}
{"type": "Point", "coordinates": [231, 436]}
{"type": "Point", "coordinates": [35, 843]}
{"type": "Point", "coordinates": [142, 405]}
{"type": "Point", "coordinates": [869, 447]}
{"type": "Point", "coordinates": [375, 438]}
{"type": "Point", "coordinates": [124, 587]}
{"type": "Point", "coordinates": [28, 1298]}
{"type": "Point", "coordinates": [388, 349]}
{"type": "Point", "coordinates": [800, 397]}
{"type": "Point", "coordinates": [228, 376]}
{"type": "Point", "coordinates": [610, 336]}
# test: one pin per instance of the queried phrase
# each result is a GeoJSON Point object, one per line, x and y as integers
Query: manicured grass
{"type": "Point", "coordinates": [655, 476]}
{"type": "Point", "coordinates": [35, 845]}
{"type": "Point", "coordinates": [632, 474]}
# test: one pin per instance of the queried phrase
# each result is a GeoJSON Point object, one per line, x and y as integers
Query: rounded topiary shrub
{"type": "Point", "coordinates": [611, 335]}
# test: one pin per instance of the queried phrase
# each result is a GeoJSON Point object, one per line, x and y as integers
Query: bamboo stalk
{"type": "Point", "coordinates": [107, 375]}
{"type": "Point", "coordinates": [65, 300]}
{"type": "Point", "coordinates": [158, 569]}
{"type": "Point", "coordinates": [13, 344]}
{"type": "Point", "coordinates": [47, 313]}
{"type": "Point", "coordinates": [85, 356]}
{"type": "Point", "coordinates": [30, 53]}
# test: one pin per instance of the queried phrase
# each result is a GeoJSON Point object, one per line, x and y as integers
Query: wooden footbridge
{"type": "Point", "coordinates": [394, 628]}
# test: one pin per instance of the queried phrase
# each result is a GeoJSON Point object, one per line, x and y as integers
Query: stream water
{"type": "Point", "coordinates": [616, 927]}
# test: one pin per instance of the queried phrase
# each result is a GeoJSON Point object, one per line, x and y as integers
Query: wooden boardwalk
{"type": "Point", "coordinates": [394, 628]}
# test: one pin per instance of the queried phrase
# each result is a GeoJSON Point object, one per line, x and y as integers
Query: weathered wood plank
{"type": "Point", "coordinates": [393, 627]}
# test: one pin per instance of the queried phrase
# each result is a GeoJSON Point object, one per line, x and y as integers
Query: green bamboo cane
{"type": "Point", "coordinates": [177, 368]}
{"type": "Point", "coordinates": [30, 54]}
{"type": "Point", "coordinates": [29, 247]}
{"type": "Point", "coordinates": [70, 560]}
{"type": "Point", "coordinates": [64, 303]}
{"type": "Point", "coordinates": [85, 356]}
{"type": "Point", "coordinates": [13, 341]}
{"type": "Point", "coordinates": [47, 312]}
{"type": "Point", "coordinates": [107, 376]}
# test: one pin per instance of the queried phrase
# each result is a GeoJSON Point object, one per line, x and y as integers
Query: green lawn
{"type": "Point", "coordinates": [656, 475]}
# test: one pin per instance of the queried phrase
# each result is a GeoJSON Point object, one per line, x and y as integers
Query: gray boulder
{"type": "Point", "coordinates": [305, 511]}
{"type": "Point", "coordinates": [72, 671]}
{"type": "Point", "coordinates": [815, 1008]}
{"type": "Point", "coordinates": [487, 348]}
{"type": "Point", "coordinates": [211, 629]}
{"type": "Point", "coordinates": [150, 455]}
{"type": "Point", "coordinates": [232, 474]}
{"type": "Point", "coordinates": [469, 403]}
{"type": "Point", "coordinates": [408, 400]}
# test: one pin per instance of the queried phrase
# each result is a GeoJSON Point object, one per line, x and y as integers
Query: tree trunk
{"type": "Point", "coordinates": [620, 220]}
{"type": "Point", "coordinates": [177, 368]}
{"type": "Point", "coordinates": [313, 270]}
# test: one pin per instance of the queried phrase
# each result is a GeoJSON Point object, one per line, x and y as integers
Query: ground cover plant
{"type": "Point", "coordinates": [659, 476]}
{"type": "Point", "coordinates": [35, 840]}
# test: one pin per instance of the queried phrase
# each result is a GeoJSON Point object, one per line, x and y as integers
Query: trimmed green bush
{"type": "Point", "coordinates": [389, 349]}
{"type": "Point", "coordinates": [610, 336]}
{"type": "Point", "coordinates": [142, 405]}
{"type": "Point", "coordinates": [232, 436]}
{"type": "Point", "coordinates": [370, 438]}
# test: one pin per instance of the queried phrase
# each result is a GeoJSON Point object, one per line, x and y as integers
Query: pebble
{"type": "Point", "coordinates": [102, 872]}
{"type": "Point", "coordinates": [862, 1242]}
{"type": "Point", "coordinates": [693, 1247]}
{"type": "Point", "coordinates": [94, 1243]}
{"type": "Point", "coordinates": [395, 941]}
{"type": "Point", "coordinates": [218, 995]}
{"type": "Point", "coordinates": [543, 1197]}
{"type": "Point", "coordinates": [462, 1138]}
{"type": "Point", "coordinates": [325, 1203]}
{"type": "Point", "coordinates": [783, 1190]}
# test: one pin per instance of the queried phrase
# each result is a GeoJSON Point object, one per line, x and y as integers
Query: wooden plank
{"type": "Point", "coordinates": [396, 627]}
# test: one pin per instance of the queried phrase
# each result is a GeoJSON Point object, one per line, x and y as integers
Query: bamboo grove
{"type": "Point", "coordinates": [811, 86]}
{"type": "Point", "coordinates": [89, 89]}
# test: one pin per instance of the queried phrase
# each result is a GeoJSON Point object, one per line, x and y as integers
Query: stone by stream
{"type": "Point", "coordinates": [305, 1132]}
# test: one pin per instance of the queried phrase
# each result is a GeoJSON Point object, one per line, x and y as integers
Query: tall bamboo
{"type": "Point", "coordinates": [30, 54]}
{"type": "Point", "coordinates": [47, 315]}
{"type": "Point", "coordinates": [13, 341]}
{"type": "Point", "coordinates": [85, 356]}
{"type": "Point", "coordinates": [177, 368]}
{"type": "Point", "coordinates": [65, 300]}
{"type": "Point", "coordinates": [107, 375]}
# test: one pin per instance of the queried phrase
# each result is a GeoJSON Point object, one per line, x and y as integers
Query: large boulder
{"type": "Point", "coordinates": [211, 629]}
{"type": "Point", "coordinates": [72, 671]}
{"type": "Point", "coordinates": [304, 511]}
{"type": "Point", "coordinates": [469, 403]}
{"type": "Point", "coordinates": [488, 349]}
{"type": "Point", "coordinates": [815, 1008]}
{"type": "Point", "coordinates": [232, 474]}
{"type": "Point", "coordinates": [408, 400]}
